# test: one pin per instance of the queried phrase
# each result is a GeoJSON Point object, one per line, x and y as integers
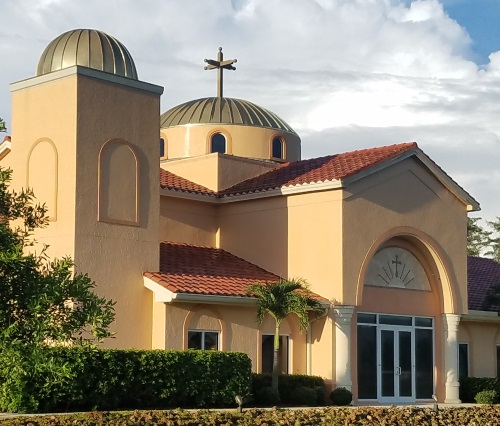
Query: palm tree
{"type": "Point", "coordinates": [279, 299]}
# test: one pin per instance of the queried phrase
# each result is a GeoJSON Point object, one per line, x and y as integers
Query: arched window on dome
{"type": "Point", "coordinates": [162, 147]}
{"type": "Point", "coordinates": [218, 143]}
{"type": "Point", "coordinates": [277, 148]}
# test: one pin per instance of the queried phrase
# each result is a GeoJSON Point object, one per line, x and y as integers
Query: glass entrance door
{"type": "Point", "coordinates": [395, 361]}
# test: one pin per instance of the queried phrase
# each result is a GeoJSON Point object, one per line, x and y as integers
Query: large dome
{"type": "Point", "coordinates": [89, 48]}
{"type": "Point", "coordinates": [223, 111]}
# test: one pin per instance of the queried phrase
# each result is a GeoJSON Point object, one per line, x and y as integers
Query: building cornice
{"type": "Point", "coordinates": [87, 72]}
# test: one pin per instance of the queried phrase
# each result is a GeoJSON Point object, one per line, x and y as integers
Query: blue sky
{"type": "Point", "coordinates": [481, 18]}
{"type": "Point", "coordinates": [345, 74]}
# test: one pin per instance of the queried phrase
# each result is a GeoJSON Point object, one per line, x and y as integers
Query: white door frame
{"type": "Point", "coordinates": [397, 369]}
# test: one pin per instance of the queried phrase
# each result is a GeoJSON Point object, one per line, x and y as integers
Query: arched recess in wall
{"type": "Point", "coordinates": [435, 260]}
{"type": "Point", "coordinates": [42, 174]}
{"type": "Point", "coordinates": [118, 183]}
{"type": "Point", "coordinates": [203, 318]}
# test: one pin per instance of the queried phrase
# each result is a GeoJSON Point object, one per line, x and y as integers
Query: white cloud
{"type": "Point", "coordinates": [345, 73]}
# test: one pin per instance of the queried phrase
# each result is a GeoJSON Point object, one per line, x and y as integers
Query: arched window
{"type": "Point", "coordinates": [218, 143]}
{"type": "Point", "coordinates": [162, 147]}
{"type": "Point", "coordinates": [277, 148]}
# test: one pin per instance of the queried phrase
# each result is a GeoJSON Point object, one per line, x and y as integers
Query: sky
{"type": "Point", "coordinates": [345, 74]}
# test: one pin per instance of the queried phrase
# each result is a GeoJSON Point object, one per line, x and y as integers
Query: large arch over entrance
{"type": "Point", "coordinates": [405, 337]}
{"type": "Point", "coordinates": [434, 259]}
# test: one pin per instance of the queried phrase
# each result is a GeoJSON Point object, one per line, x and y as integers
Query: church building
{"type": "Point", "coordinates": [174, 215]}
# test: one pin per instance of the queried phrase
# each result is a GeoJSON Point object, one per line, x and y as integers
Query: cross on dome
{"type": "Point", "coordinates": [220, 65]}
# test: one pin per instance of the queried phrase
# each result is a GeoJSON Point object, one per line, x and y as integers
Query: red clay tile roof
{"type": "Point", "coordinates": [320, 169]}
{"type": "Point", "coordinates": [169, 180]}
{"type": "Point", "coordinates": [482, 276]}
{"type": "Point", "coordinates": [204, 270]}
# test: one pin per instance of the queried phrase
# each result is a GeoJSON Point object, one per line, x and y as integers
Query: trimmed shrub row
{"type": "Point", "coordinates": [104, 379]}
{"type": "Point", "coordinates": [294, 389]}
{"type": "Point", "coordinates": [471, 386]}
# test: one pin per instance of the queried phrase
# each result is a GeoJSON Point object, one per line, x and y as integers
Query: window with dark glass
{"type": "Point", "coordinates": [268, 354]}
{"type": "Point", "coordinates": [204, 340]}
{"type": "Point", "coordinates": [367, 361]}
{"type": "Point", "coordinates": [277, 150]}
{"type": "Point", "coordinates": [463, 360]}
{"type": "Point", "coordinates": [218, 143]}
{"type": "Point", "coordinates": [498, 361]}
{"type": "Point", "coordinates": [162, 147]}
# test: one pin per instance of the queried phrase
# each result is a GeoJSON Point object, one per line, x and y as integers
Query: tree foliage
{"type": "Point", "coordinates": [2, 125]}
{"type": "Point", "coordinates": [280, 299]}
{"type": "Point", "coordinates": [42, 303]}
{"type": "Point", "coordinates": [481, 241]}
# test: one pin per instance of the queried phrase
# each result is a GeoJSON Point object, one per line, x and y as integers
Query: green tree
{"type": "Point", "coordinates": [280, 299]}
{"type": "Point", "coordinates": [2, 125]}
{"type": "Point", "coordinates": [478, 239]}
{"type": "Point", "coordinates": [42, 302]}
{"type": "Point", "coordinates": [495, 239]}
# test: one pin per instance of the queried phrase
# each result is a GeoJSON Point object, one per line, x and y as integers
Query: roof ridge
{"type": "Point", "coordinates": [295, 173]}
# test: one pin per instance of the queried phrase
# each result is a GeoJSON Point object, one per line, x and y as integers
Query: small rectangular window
{"type": "Point", "coordinates": [367, 318]}
{"type": "Point", "coordinates": [423, 322]}
{"type": "Point", "coordinates": [203, 340]}
{"type": "Point", "coordinates": [395, 320]}
{"type": "Point", "coordinates": [498, 361]}
{"type": "Point", "coordinates": [463, 360]}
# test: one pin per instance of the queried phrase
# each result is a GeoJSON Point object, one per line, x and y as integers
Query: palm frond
{"type": "Point", "coordinates": [283, 298]}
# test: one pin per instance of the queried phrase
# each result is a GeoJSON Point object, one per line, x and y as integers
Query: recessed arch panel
{"type": "Point", "coordinates": [42, 174]}
{"type": "Point", "coordinates": [118, 183]}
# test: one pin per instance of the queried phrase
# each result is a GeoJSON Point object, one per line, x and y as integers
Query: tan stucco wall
{"type": "Point", "coordinates": [34, 112]}
{"type": "Point", "coordinates": [79, 115]}
{"type": "Point", "coordinates": [239, 330]}
{"type": "Point", "coordinates": [217, 171]}
{"type": "Point", "coordinates": [192, 140]}
{"type": "Point", "coordinates": [483, 339]}
{"type": "Point", "coordinates": [187, 221]}
{"type": "Point", "coordinates": [292, 236]}
{"type": "Point", "coordinates": [407, 200]}
{"type": "Point", "coordinates": [132, 116]}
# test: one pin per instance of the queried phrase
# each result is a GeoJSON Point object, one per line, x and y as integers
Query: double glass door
{"type": "Point", "coordinates": [395, 358]}
{"type": "Point", "coordinates": [395, 364]}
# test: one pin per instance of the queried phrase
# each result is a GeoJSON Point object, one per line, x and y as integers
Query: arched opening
{"type": "Point", "coordinates": [277, 150]}
{"type": "Point", "coordinates": [162, 148]}
{"type": "Point", "coordinates": [218, 143]}
{"type": "Point", "coordinates": [407, 297]}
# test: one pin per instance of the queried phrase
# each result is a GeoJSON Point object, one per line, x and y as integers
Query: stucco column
{"type": "Point", "coordinates": [343, 317]}
{"type": "Point", "coordinates": [450, 324]}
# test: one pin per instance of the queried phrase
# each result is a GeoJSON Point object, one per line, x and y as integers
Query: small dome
{"type": "Point", "coordinates": [88, 48]}
{"type": "Point", "coordinates": [223, 111]}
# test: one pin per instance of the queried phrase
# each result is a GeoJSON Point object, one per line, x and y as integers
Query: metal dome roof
{"type": "Point", "coordinates": [223, 111]}
{"type": "Point", "coordinates": [89, 48]}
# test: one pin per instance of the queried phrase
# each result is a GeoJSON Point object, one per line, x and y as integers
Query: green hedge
{"type": "Point", "coordinates": [471, 386]}
{"type": "Point", "coordinates": [288, 385]}
{"type": "Point", "coordinates": [105, 379]}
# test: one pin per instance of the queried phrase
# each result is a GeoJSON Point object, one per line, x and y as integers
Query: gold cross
{"type": "Point", "coordinates": [221, 65]}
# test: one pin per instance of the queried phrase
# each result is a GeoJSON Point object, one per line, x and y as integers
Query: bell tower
{"type": "Point", "coordinates": [85, 138]}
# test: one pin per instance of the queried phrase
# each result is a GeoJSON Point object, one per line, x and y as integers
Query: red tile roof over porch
{"type": "Point", "coordinates": [205, 270]}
